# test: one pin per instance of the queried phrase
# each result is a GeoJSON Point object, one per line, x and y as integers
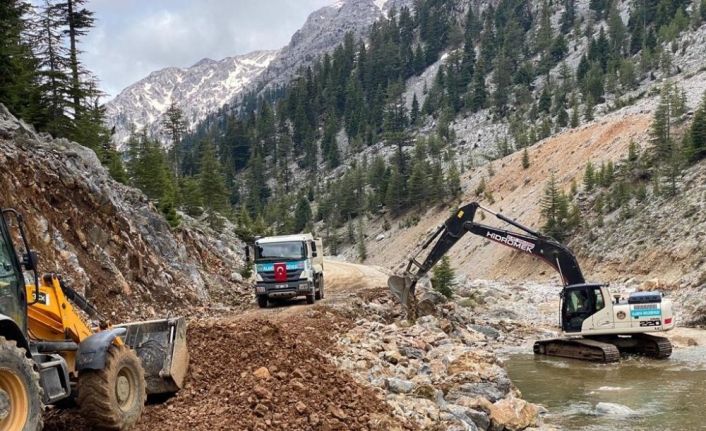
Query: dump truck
{"type": "Point", "coordinates": [50, 353]}
{"type": "Point", "coordinates": [288, 266]}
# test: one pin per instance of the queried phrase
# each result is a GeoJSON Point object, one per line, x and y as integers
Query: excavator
{"type": "Point", "coordinates": [595, 325]}
{"type": "Point", "coordinates": [50, 354]}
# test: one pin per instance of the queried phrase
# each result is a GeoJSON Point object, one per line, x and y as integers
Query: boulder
{"type": "Point", "coordinates": [399, 386]}
{"type": "Point", "coordinates": [612, 409]}
{"type": "Point", "coordinates": [512, 414]}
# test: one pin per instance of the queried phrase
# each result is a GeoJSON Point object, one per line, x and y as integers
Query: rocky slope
{"type": "Point", "coordinates": [198, 90]}
{"type": "Point", "coordinates": [107, 239]}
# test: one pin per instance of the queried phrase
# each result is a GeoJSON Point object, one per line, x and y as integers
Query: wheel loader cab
{"type": "Point", "coordinates": [580, 302]}
{"type": "Point", "coordinates": [12, 296]}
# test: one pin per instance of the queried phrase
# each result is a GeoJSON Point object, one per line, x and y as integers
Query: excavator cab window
{"type": "Point", "coordinates": [580, 303]}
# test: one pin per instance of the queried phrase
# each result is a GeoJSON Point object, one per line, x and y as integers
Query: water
{"type": "Point", "coordinates": [661, 395]}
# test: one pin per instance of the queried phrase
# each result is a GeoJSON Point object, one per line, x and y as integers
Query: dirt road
{"type": "Point", "coordinates": [270, 369]}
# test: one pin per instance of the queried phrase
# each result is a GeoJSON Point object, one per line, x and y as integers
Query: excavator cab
{"type": "Point", "coordinates": [578, 303]}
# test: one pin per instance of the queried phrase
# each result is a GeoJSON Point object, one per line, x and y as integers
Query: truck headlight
{"type": "Point", "coordinates": [258, 277]}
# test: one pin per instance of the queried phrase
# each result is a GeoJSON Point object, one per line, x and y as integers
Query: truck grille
{"type": "Point", "coordinates": [292, 275]}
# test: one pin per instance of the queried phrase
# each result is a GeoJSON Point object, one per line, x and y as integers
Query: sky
{"type": "Point", "coordinates": [135, 37]}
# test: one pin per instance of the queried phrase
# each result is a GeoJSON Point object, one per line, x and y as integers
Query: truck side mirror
{"type": "Point", "coordinates": [247, 254]}
{"type": "Point", "coordinates": [313, 249]}
{"type": "Point", "coordinates": [30, 260]}
{"type": "Point", "coordinates": [314, 254]}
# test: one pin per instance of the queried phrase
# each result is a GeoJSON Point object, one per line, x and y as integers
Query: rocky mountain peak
{"type": "Point", "coordinates": [198, 90]}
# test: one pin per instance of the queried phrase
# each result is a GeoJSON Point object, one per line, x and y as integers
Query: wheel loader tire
{"type": "Point", "coordinates": [113, 398]}
{"type": "Point", "coordinates": [321, 293]}
{"type": "Point", "coordinates": [262, 301]}
{"type": "Point", "coordinates": [20, 393]}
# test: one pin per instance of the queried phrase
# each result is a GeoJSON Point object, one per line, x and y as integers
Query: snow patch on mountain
{"type": "Point", "coordinates": [198, 90]}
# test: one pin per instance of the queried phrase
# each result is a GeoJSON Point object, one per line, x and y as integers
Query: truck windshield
{"type": "Point", "coordinates": [280, 251]}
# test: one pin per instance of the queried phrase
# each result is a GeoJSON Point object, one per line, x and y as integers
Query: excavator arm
{"type": "Point", "coordinates": [462, 221]}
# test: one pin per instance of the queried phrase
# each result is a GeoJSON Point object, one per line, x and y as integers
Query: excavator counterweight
{"type": "Point", "coordinates": [598, 326]}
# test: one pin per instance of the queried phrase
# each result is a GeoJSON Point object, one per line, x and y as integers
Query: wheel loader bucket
{"type": "Point", "coordinates": [161, 345]}
{"type": "Point", "coordinates": [403, 289]}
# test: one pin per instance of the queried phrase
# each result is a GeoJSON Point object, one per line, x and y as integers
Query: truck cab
{"type": "Point", "coordinates": [288, 266]}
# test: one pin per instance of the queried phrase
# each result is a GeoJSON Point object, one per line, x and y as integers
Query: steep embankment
{"type": "Point", "coordinates": [107, 239]}
{"type": "Point", "coordinates": [516, 192]}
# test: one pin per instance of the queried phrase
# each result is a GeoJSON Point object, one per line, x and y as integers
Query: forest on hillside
{"type": "Point", "coordinates": [282, 159]}
{"type": "Point", "coordinates": [42, 78]}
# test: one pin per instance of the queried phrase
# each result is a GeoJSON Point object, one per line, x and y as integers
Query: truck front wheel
{"type": "Point", "coordinates": [320, 288]}
{"type": "Point", "coordinates": [262, 301]}
{"type": "Point", "coordinates": [311, 296]}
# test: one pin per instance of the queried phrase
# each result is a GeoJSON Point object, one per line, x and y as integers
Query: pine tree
{"type": "Point", "coordinates": [212, 185]}
{"type": "Point", "coordinates": [568, 16]}
{"type": "Point", "coordinates": [79, 20]}
{"type": "Point", "coordinates": [394, 195]}
{"type": "Point", "coordinates": [502, 80]}
{"type": "Point", "coordinates": [698, 133]}
{"type": "Point", "coordinates": [175, 128]}
{"type": "Point", "coordinates": [417, 185]}
{"type": "Point", "coordinates": [589, 177]}
{"type": "Point", "coordinates": [362, 251]}
{"type": "Point", "coordinates": [453, 181]}
{"type": "Point", "coordinates": [302, 214]}
{"type": "Point", "coordinates": [478, 91]}
{"type": "Point", "coordinates": [554, 208]}
{"type": "Point", "coordinates": [192, 203]}
{"type": "Point", "coordinates": [575, 118]}
{"type": "Point", "coordinates": [661, 129]}
{"type": "Point", "coordinates": [544, 33]}
{"type": "Point", "coordinates": [53, 65]}
{"type": "Point", "coordinates": [443, 279]}
{"type": "Point", "coordinates": [525, 159]}
{"type": "Point", "coordinates": [19, 86]}
{"type": "Point", "coordinates": [414, 114]}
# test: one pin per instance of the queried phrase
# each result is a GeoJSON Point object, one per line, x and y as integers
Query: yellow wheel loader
{"type": "Point", "coordinates": [49, 353]}
{"type": "Point", "coordinates": [596, 325]}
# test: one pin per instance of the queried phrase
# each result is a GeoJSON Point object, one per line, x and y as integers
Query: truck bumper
{"type": "Point", "coordinates": [290, 289]}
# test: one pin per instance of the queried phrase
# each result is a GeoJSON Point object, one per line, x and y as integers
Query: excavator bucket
{"type": "Point", "coordinates": [161, 345]}
{"type": "Point", "coordinates": [403, 289]}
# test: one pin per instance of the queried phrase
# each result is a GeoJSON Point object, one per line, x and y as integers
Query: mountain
{"type": "Point", "coordinates": [322, 32]}
{"type": "Point", "coordinates": [208, 85]}
{"type": "Point", "coordinates": [198, 90]}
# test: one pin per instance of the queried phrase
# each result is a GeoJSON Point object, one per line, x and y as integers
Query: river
{"type": "Point", "coordinates": [635, 394]}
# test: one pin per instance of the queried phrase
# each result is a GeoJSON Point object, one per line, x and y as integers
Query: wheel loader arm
{"type": "Point", "coordinates": [462, 221]}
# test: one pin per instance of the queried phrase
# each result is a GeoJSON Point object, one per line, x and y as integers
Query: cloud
{"type": "Point", "coordinates": [135, 37]}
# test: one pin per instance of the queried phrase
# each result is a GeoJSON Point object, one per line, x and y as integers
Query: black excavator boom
{"type": "Point", "coordinates": [462, 221]}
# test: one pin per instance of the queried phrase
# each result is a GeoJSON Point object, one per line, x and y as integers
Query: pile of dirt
{"type": "Point", "coordinates": [257, 374]}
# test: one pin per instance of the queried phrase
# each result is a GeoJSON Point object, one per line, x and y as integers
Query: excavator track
{"type": "Point", "coordinates": [578, 348]}
{"type": "Point", "coordinates": [648, 345]}
{"type": "Point", "coordinates": [655, 347]}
